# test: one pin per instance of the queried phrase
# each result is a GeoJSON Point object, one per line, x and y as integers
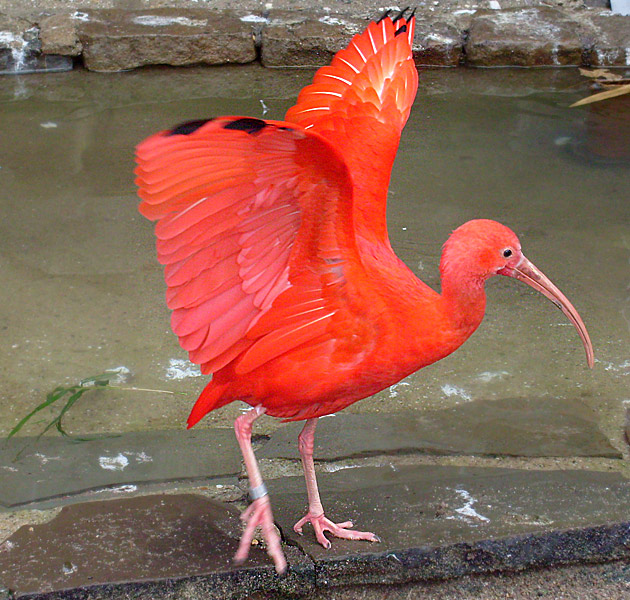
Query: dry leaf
{"type": "Point", "coordinates": [618, 91]}
{"type": "Point", "coordinates": [600, 74]}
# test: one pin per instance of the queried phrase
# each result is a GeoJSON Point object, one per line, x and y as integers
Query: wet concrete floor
{"type": "Point", "coordinates": [82, 293]}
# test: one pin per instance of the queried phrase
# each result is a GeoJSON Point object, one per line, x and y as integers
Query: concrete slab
{"type": "Point", "coordinates": [434, 522]}
{"type": "Point", "coordinates": [447, 521]}
{"type": "Point", "coordinates": [53, 466]}
{"type": "Point", "coordinates": [509, 427]}
{"type": "Point", "coordinates": [123, 543]}
{"type": "Point", "coordinates": [584, 582]}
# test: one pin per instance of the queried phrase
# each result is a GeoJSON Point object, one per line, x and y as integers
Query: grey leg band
{"type": "Point", "coordinates": [258, 492]}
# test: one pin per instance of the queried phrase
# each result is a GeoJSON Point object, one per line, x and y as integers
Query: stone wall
{"type": "Point", "coordinates": [449, 33]}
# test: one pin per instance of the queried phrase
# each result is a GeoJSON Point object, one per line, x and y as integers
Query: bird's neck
{"type": "Point", "coordinates": [464, 303]}
{"type": "Point", "coordinates": [463, 291]}
{"type": "Point", "coordinates": [421, 324]}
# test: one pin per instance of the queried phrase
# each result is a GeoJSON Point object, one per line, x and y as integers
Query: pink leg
{"type": "Point", "coordinates": [258, 513]}
{"type": "Point", "coordinates": [315, 515]}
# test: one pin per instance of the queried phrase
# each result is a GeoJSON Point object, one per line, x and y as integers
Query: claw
{"type": "Point", "coordinates": [341, 530]}
{"type": "Point", "coordinates": [258, 513]}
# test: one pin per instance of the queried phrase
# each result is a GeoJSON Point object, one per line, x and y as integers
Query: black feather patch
{"type": "Point", "coordinates": [400, 30]}
{"type": "Point", "coordinates": [384, 15]}
{"type": "Point", "coordinates": [188, 127]}
{"type": "Point", "coordinates": [246, 124]}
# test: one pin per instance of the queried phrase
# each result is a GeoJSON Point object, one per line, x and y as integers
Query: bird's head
{"type": "Point", "coordinates": [480, 249]}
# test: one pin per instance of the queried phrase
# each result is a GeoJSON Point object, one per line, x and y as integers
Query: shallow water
{"type": "Point", "coordinates": [81, 291]}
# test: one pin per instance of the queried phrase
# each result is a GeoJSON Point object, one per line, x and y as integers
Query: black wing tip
{"type": "Point", "coordinates": [188, 127]}
{"type": "Point", "coordinates": [400, 15]}
{"type": "Point", "coordinates": [384, 15]}
{"type": "Point", "coordinates": [248, 124]}
{"type": "Point", "coordinates": [397, 16]}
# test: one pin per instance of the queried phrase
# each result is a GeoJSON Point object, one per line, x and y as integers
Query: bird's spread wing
{"type": "Point", "coordinates": [374, 75]}
{"type": "Point", "coordinates": [254, 227]}
{"type": "Point", "coordinates": [361, 103]}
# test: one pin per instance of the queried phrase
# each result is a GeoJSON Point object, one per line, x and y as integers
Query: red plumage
{"type": "Point", "coordinates": [279, 270]}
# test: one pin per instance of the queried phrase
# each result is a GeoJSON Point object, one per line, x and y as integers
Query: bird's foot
{"type": "Point", "coordinates": [258, 513]}
{"type": "Point", "coordinates": [341, 530]}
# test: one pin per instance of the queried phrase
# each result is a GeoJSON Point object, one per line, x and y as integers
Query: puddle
{"type": "Point", "coordinates": [82, 291]}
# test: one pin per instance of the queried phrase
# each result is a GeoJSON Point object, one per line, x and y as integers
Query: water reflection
{"type": "Point", "coordinates": [608, 129]}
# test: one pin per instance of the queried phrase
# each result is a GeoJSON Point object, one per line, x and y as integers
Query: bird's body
{"type": "Point", "coordinates": [280, 273]}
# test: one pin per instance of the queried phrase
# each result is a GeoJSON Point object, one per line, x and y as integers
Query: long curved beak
{"type": "Point", "coordinates": [531, 275]}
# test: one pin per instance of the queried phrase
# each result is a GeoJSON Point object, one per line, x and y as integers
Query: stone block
{"type": "Point", "coordinates": [529, 37]}
{"type": "Point", "coordinates": [439, 38]}
{"type": "Point", "coordinates": [19, 44]}
{"type": "Point", "coordinates": [58, 35]}
{"type": "Point", "coordinates": [608, 40]}
{"type": "Point", "coordinates": [115, 40]}
{"type": "Point", "coordinates": [290, 39]}
{"type": "Point", "coordinates": [20, 49]}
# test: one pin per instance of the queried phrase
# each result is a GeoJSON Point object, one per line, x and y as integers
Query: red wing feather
{"type": "Point", "coordinates": [360, 103]}
{"type": "Point", "coordinates": [375, 61]}
{"type": "Point", "coordinates": [244, 217]}
{"type": "Point", "coordinates": [258, 221]}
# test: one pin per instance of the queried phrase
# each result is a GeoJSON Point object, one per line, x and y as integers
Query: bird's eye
{"type": "Point", "coordinates": [507, 252]}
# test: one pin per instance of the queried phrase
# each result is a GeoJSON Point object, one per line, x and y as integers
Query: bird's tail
{"type": "Point", "coordinates": [213, 396]}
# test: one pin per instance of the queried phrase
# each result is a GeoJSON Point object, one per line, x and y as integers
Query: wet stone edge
{"type": "Point", "coordinates": [582, 545]}
{"type": "Point", "coordinates": [605, 543]}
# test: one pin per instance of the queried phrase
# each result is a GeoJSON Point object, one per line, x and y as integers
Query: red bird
{"type": "Point", "coordinates": [280, 274]}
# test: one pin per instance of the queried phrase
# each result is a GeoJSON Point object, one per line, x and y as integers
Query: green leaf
{"type": "Point", "coordinates": [75, 392]}
{"type": "Point", "coordinates": [52, 397]}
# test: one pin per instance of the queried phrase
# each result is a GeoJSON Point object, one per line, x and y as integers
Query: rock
{"type": "Point", "coordinates": [58, 35]}
{"type": "Point", "coordinates": [529, 37]}
{"type": "Point", "coordinates": [609, 40]}
{"type": "Point", "coordinates": [19, 44]}
{"type": "Point", "coordinates": [294, 39]}
{"type": "Point", "coordinates": [115, 40]}
{"type": "Point", "coordinates": [597, 4]}
{"type": "Point", "coordinates": [290, 39]}
{"type": "Point", "coordinates": [20, 49]}
{"type": "Point", "coordinates": [439, 39]}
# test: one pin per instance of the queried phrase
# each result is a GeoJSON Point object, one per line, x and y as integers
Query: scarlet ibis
{"type": "Point", "coordinates": [280, 274]}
